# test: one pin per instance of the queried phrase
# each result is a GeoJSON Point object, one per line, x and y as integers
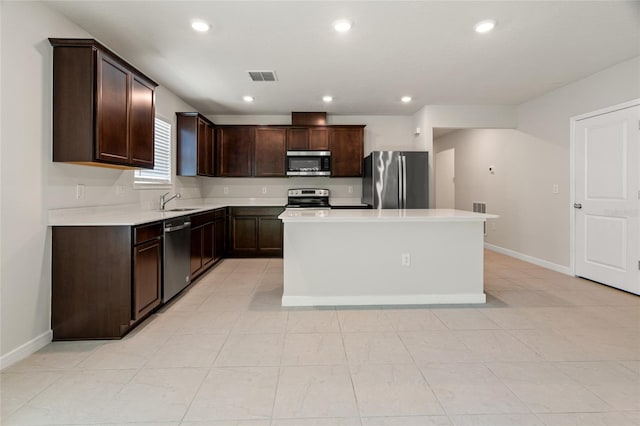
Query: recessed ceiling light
{"type": "Point", "coordinates": [248, 98]}
{"type": "Point", "coordinates": [327, 98]}
{"type": "Point", "coordinates": [342, 25]}
{"type": "Point", "coordinates": [406, 99]}
{"type": "Point", "coordinates": [485, 26]}
{"type": "Point", "coordinates": [200, 26]}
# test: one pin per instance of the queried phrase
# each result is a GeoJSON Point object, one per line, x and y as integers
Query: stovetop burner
{"type": "Point", "coordinates": [308, 198]}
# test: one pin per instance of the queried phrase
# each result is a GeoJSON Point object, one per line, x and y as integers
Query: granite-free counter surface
{"type": "Point", "coordinates": [386, 215]}
{"type": "Point", "coordinates": [130, 215]}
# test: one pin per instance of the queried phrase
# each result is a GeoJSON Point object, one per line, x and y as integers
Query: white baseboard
{"type": "Point", "coordinates": [411, 299]}
{"type": "Point", "coordinates": [23, 351]}
{"type": "Point", "coordinates": [544, 263]}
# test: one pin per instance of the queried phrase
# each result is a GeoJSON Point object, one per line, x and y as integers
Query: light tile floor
{"type": "Point", "coordinates": [546, 349]}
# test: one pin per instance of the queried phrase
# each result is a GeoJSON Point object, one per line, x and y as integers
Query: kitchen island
{"type": "Point", "coordinates": [383, 257]}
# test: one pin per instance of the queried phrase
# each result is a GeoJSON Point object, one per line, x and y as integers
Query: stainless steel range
{"type": "Point", "coordinates": [308, 198]}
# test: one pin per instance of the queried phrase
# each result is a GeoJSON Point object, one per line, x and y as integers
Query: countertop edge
{"type": "Point", "coordinates": [384, 216]}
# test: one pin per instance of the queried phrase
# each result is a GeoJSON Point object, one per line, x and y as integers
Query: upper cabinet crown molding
{"type": "Point", "coordinates": [103, 107]}
{"type": "Point", "coordinates": [95, 44]}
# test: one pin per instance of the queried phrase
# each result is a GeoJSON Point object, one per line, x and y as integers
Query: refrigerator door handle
{"type": "Point", "coordinates": [400, 182]}
{"type": "Point", "coordinates": [404, 182]}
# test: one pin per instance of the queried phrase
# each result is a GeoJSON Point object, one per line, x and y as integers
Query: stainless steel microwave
{"type": "Point", "coordinates": [308, 163]}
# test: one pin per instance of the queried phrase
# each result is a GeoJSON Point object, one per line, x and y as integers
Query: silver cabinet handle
{"type": "Point", "coordinates": [577, 205]}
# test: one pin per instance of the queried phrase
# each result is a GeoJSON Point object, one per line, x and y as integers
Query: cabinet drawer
{"type": "Point", "coordinates": [256, 211]}
{"type": "Point", "coordinates": [202, 218]}
{"type": "Point", "coordinates": [144, 233]}
{"type": "Point", "coordinates": [220, 214]}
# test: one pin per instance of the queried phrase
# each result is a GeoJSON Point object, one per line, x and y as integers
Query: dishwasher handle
{"type": "Point", "coordinates": [177, 228]}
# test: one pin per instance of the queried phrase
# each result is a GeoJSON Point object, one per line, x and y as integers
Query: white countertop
{"type": "Point", "coordinates": [126, 215]}
{"type": "Point", "coordinates": [386, 215]}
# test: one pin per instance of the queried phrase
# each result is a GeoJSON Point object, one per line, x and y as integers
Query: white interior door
{"type": "Point", "coordinates": [607, 230]}
{"type": "Point", "coordinates": [445, 179]}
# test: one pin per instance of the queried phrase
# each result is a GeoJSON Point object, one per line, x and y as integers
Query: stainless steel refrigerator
{"type": "Point", "coordinates": [396, 180]}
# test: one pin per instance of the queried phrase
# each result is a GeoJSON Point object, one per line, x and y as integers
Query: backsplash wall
{"type": "Point", "coordinates": [277, 187]}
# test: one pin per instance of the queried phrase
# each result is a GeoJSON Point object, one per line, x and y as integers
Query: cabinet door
{"type": "Point", "coordinates": [318, 138]}
{"type": "Point", "coordinates": [205, 149]}
{"type": "Point", "coordinates": [270, 147]}
{"type": "Point", "coordinates": [142, 123]}
{"type": "Point", "coordinates": [219, 239]}
{"type": "Point", "coordinates": [347, 149]}
{"type": "Point", "coordinates": [196, 251]}
{"type": "Point", "coordinates": [207, 244]}
{"type": "Point", "coordinates": [235, 151]}
{"type": "Point", "coordinates": [297, 139]}
{"type": "Point", "coordinates": [244, 235]}
{"type": "Point", "coordinates": [147, 262]}
{"type": "Point", "coordinates": [112, 142]}
{"type": "Point", "coordinates": [269, 236]}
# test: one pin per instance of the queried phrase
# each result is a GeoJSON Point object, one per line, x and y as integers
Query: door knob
{"type": "Point", "coordinates": [577, 205]}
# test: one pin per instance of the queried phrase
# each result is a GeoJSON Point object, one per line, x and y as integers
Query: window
{"type": "Point", "coordinates": [161, 173]}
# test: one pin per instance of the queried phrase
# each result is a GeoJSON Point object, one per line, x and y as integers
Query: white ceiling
{"type": "Point", "coordinates": [425, 49]}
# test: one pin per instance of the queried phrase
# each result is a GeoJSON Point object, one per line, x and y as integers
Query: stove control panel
{"type": "Point", "coordinates": [306, 192]}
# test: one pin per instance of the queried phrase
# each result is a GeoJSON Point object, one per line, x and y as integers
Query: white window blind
{"type": "Point", "coordinates": [161, 172]}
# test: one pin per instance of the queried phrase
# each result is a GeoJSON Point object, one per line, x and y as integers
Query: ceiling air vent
{"type": "Point", "coordinates": [263, 75]}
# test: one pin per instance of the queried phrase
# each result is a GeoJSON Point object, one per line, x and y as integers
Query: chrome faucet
{"type": "Point", "coordinates": [164, 201]}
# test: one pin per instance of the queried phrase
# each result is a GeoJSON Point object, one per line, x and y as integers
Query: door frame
{"type": "Point", "coordinates": [572, 171]}
{"type": "Point", "coordinates": [435, 174]}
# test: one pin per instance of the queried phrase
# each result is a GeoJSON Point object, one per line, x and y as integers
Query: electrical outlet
{"type": "Point", "coordinates": [350, 189]}
{"type": "Point", "coordinates": [225, 190]}
{"type": "Point", "coordinates": [121, 190]}
{"type": "Point", "coordinates": [406, 259]}
{"type": "Point", "coordinates": [555, 188]}
{"type": "Point", "coordinates": [80, 191]}
{"type": "Point", "coordinates": [264, 189]}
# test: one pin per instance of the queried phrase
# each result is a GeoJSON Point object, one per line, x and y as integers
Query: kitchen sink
{"type": "Point", "coordinates": [179, 210]}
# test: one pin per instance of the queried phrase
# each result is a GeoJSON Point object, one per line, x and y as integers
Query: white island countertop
{"type": "Point", "coordinates": [385, 215]}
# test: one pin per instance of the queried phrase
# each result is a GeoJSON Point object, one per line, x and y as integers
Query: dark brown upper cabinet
{"type": "Point", "coordinates": [270, 152]}
{"type": "Point", "coordinates": [307, 138]}
{"type": "Point", "coordinates": [196, 145]}
{"type": "Point", "coordinates": [347, 150]}
{"type": "Point", "coordinates": [235, 150]}
{"type": "Point", "coordinates": [103, 108]}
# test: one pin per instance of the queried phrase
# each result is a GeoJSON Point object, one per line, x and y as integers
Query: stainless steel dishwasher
{"type": "Point", "coordinates": [177, 256]}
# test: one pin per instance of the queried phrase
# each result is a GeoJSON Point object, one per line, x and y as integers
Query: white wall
{"type": "Point", "coordinates": [458, 117]}
{"type": "Point", "coordinates": [32, 184]}
{"type": "Point", "coordinates": [519, 189]}
{"type": "Point", "coordinates": [380, 133]}
{"type": "Point", "coordinates": [530, 160]}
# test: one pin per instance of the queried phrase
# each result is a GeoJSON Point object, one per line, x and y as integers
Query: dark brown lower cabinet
{"type": "Point", "coordinates": [220, 236]}
{"type": "Point", "coordinates": [255, 232]}
{"type": "Point", "coordinates": [196, 251]}
{"type": "Point", "coordinates": [147, 276]}
{"type": "Point", "coordinates": [208, 238]}
{"type": "Point", "coordinates": [105, 279]}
